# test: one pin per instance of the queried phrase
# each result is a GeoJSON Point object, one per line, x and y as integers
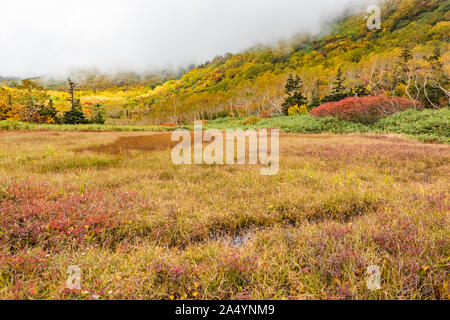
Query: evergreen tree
{"type": "Point", "coordinates": [99, 115]}
{"type": "Point", "coordinates": [294, 95]}
{"type": "Point", "coordinates": [72, 86]}
{"type": "Point", "coordinates": [338, 93]}
{"type": "Point", "coordinates": [437, 67]}
{"type": "Point", "coordinates": [75, 115]}
{"type": "Point", "coordinates": [338, 86]}
{"type": "Point", "coordinates": [49, 111]}
{"type": "Point", "coordinates": [293, 85]}
{"type": "Point", "coordinates": [401, 73]}
{"type": "Point", "coordinates": [315, 102]}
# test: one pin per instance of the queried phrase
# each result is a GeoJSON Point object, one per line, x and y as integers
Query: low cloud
{"type": "Point", "coordinates": [51, 37]}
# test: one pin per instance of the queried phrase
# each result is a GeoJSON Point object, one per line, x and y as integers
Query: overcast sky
{"type": "Point", "coordinates": [48, 37]}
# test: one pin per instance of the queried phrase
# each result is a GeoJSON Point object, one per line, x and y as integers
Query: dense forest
{"type": "Point", "coordinates": [407, 58]}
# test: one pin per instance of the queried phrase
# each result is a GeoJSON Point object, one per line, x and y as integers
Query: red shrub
{"type": "Point", "coordinates": [240, 266]}
{"type": "Point", "coordinates": [38, 214]}
{"type": "Point", "coordinates": [165, 271]}
{"type": "Point", "coordinates": [32, 261]}
{"type": "Point", "coordinates": [364, 109]}
{"type": "Point", "coordinates": [403, 239]}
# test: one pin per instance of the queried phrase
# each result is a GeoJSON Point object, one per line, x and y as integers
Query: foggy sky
{"type": "Point", "coordinates": [51, 37]}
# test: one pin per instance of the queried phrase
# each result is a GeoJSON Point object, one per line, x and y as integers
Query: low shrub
{"type": "Point", "coordinates": [297, 110]}
{"type": "Point", "coordinates": [251, 121]}
{"type": "Point", "coordinates": [265, 114]}
{"type": "Point", "coordinates": [429, 122]}
{"type": "Point", "coordinates": [37, 213]}
{"type": "Point", "coordinates": [365, 110]}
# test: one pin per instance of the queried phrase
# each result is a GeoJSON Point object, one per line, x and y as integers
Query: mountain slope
{"type": "Point", "coordinates": [246, 83]}
{"type": "Point", "coordinates": [254, 80]}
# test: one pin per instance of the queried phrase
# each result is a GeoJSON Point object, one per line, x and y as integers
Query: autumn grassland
{"type": "Point", "coordinates": [140, 227]}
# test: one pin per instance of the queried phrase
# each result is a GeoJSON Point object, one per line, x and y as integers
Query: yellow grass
{"type": "Point", "coordinates": [339, 204]}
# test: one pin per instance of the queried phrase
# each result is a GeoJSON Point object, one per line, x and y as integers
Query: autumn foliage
{"type": "Point", "coordinates": [33, 213]}
{"type": "Point", "coordinates": [364, 109]}
{"type": "Point", "coordinates": [264, 114]}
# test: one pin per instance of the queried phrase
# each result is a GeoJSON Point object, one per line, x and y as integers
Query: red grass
{"type": "Point", "coordinates": [364, 109]}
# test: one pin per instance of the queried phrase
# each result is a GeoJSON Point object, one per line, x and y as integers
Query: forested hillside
{"type": "Point", "coordinates": [409, 57]}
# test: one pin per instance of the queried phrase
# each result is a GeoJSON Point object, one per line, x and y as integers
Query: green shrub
{"type": "Point", "coordinates": [426, 122]}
